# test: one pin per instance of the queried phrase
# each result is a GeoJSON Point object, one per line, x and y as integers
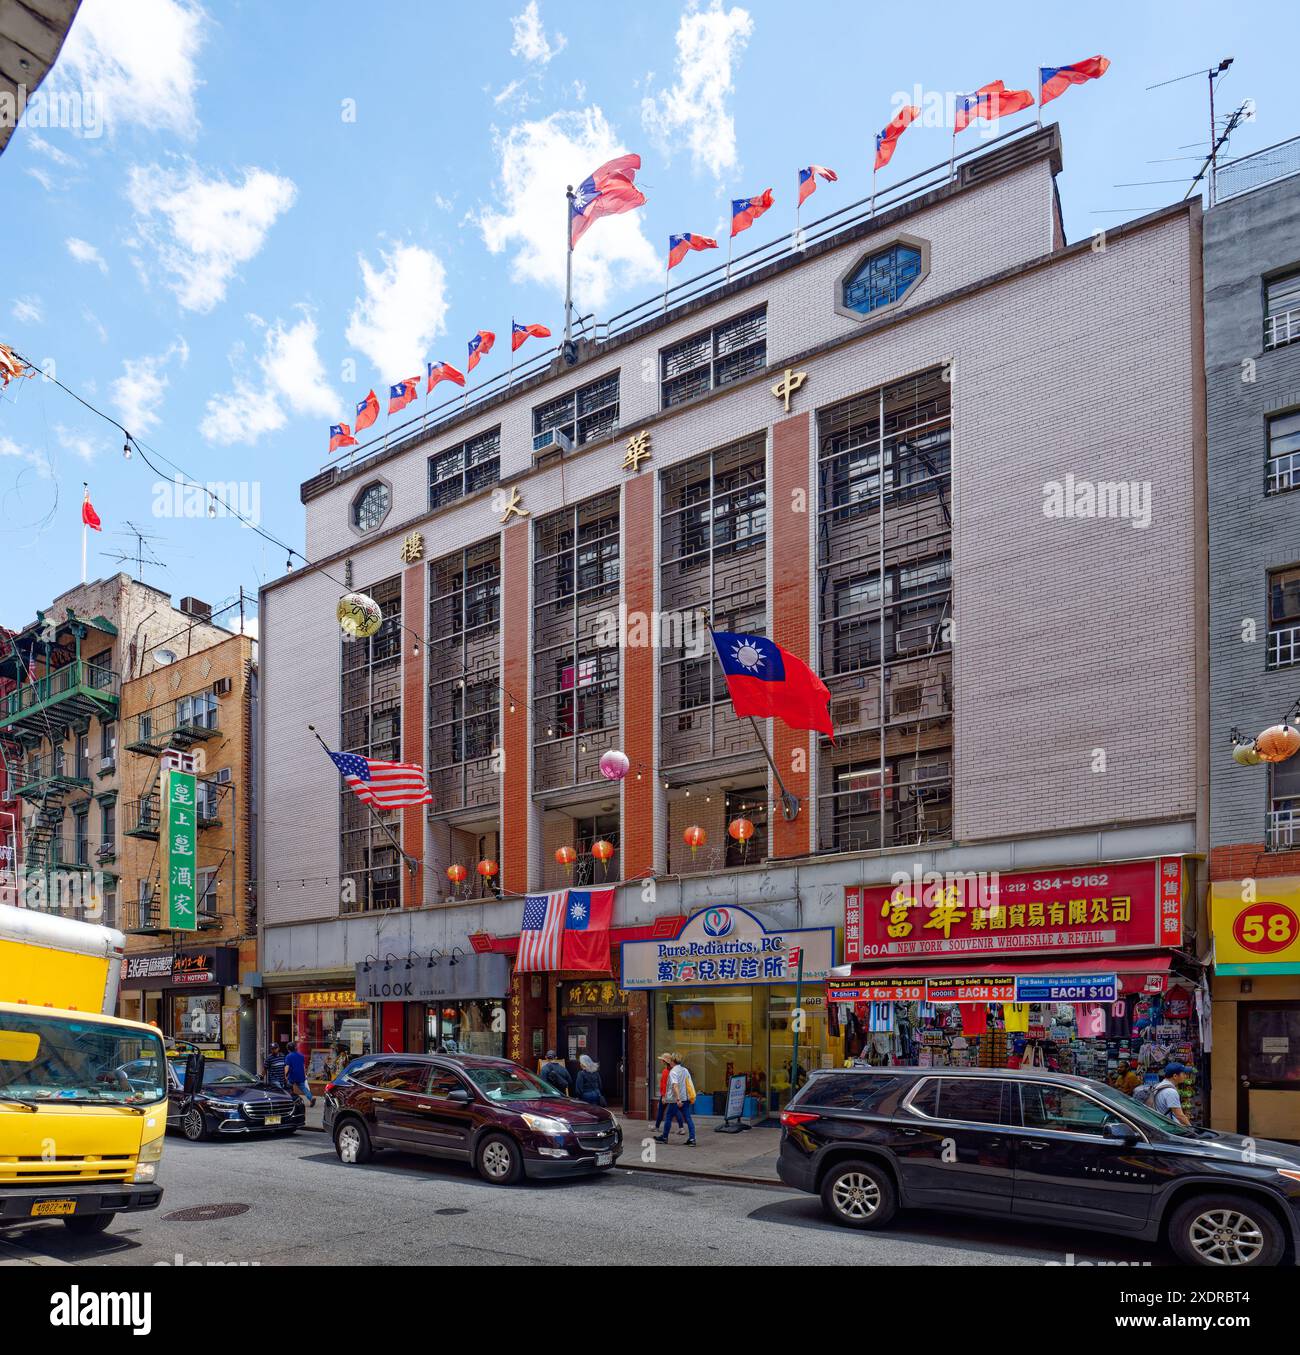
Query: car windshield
{"type": "Point", "coordinates": [217, 1073]}
{"type": "Point", "coordinates": [48, 1058]}
{"type": "Point", "coordinates": [1144, 1115]}
{"type": "Point", "coordinates": [508, 1084]}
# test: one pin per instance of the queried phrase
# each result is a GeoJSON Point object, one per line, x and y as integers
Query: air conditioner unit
{"type": "Point", "coordinates": [552, 439]}
{"type": "Point", "coordinates": [914, 639]}
{"type": "Point", "coordinates": [107, 763]}
{"type": "Point", "coordinates": [221, 687]}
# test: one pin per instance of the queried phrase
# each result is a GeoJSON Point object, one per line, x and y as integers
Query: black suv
{"type": "Point", "coordinates": [1037, 1147]}
{"type": "Point", "coordinates": [486, 1111]}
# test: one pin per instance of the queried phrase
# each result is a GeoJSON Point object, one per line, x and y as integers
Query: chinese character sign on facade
{"type": "Point", "coordinates": [179, 850]}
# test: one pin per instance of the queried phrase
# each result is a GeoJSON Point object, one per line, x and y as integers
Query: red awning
{"type": "Point", "coordinates": [1129, 964]}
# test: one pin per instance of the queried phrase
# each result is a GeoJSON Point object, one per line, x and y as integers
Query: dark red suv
{"type": "Point", "coordinates": [490, 1112]}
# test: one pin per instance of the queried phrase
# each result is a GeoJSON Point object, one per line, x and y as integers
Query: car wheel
{"type": "Point", "coordinates": [352, 1141]}
{"type": "Point", "coordinates": [500, 1161]}
{"type": "Point", "coordinates": [192, 1125]}
{"type": "Point", "coordinates": [1225, 1230]}
{"type": "Point", "coordinates": [88, 1224]}
{"type": "Point", "coordinates": [859, 1195]}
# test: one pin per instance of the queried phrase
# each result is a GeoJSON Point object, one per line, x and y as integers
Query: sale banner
{"type": "Point", "coordinates": [1259, 934]}
{"type": "Point", "coordinates": [1125, 905]}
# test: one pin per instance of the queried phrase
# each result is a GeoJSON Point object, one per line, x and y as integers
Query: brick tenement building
{"type": "Point", "coordinates": [1252, 346]}
{"type": "Point", "coordinates": [950, 459]}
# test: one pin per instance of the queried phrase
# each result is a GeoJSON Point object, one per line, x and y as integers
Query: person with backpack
{"type": "Point", "coordinates": [1165, 1099]}
{"type": "Point", "coordinates": [554, 1072]}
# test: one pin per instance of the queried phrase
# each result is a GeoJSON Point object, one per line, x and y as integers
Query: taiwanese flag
{"type": "Point", "coordinates": [808, 180]}
{"type": "Point", "coordinates": [887, 141]}
{"type": "Point", "coordinates": [89, 517]}
{"type": "Point", "coordinates": [443, 371]}
{"type": "Point", "coordinates": [745, 211]}
{"type": "Point", "coordinates": [1053, 81]}
{"type": "Point", "coordinates": [341, 436]}
{"type": "Point", "coordinates": [681, 245]}
{"type": "Point", "coordinates": [520, 334]}
{"type": "Point", "coordinates": [610, 191]}
{"type": "Point", "coordinates": [765, 679]}
{"type": "Point", "coordinates": [480, 346]}
{"type": "Point", "coordinates": [990, 102]}
{"type": "Point", "coordinates": [401, 395]}
{"type": "Point", "coordinates": [367, 412]}
{"type": "Point", "coordinates": [587, 917]}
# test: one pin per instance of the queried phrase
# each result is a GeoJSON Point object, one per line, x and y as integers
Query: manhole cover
{"type": "Point", "coordinates": [451, 1211]}
{"type": "Point", "coordinates": [201, 1213]}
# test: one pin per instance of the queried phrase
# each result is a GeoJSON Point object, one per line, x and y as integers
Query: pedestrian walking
{"type": "Point", "coordinates": [681, 1097]}
{"type": "Point", "coordinates": [1165, 1100]}
{"type": "Point", "coordinates": [588, 1086]}
{"type": "Point", "coordinates": [667, 1061]}
{"type": "Point", "coordinates": [273, 1068]}
{"type": "Point", "coordinates": [554, 1072]}
{"type": "Point", "coordinates": [295, 1071]}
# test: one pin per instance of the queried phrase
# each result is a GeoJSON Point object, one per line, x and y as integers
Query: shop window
{"type": "Point", "coordinates": [1282, 471]}
{"type": "Point", "coordinates": [1282, 310]}
{"type": "Point", "coordinates": [718, 357]}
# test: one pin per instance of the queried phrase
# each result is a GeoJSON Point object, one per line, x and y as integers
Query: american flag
{"type": "Point", "coordinates": [541, 935]}
{"type": "Point", "coordinates": [385, 785]}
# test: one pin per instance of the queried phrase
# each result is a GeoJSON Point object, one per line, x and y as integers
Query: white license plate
{"type": "Point", "coordinates": [604, 1159]}
{"type": "Point", "coordinates": [273, 1119]}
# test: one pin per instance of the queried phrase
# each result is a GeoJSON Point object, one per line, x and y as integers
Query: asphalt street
{"type": "Point", "coordinates": [292, 1202]}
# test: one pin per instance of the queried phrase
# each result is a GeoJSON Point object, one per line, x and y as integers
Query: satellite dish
{"type": "Point", "coordinates": [162, 657]}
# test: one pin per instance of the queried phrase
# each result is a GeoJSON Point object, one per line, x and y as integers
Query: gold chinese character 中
{"type": "Point", "coordinates": [789, 383]}
{"type": "Point", "coordinates": [638, 450]}
{"type": "Point", "coordinates": [412, 548]}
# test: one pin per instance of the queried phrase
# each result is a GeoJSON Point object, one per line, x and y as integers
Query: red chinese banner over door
{"type": "Point", "coordinates": [1129, 905]}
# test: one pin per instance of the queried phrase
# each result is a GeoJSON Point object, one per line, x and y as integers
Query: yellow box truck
{"type": "Point", "coordinates": [83, 1095]}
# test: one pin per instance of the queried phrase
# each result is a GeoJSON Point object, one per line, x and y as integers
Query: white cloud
{"type": "Point", "coordinates": [48, 148]}
{"type": "Point", "coordinates": [45, 180]}
{"type": "Point", "coordinates": [95, 323]}
{"type": "Point", "coordinates": [694, 111]}
{"type": "Point", "coordinates": [27, 310]}
{"type": "Point", "coordinates": [72, 440]}
{"type": "Point", "coordinates": [84, 252]}
{"type": "Point", "coordinates": [138, 392]}
{"type": "Point", "coordinates": [212, 224]}
{"type": "Point", "coordinates": [531, 41]}
{"type": "Point", "coordinates": [136, 61]}
{"type": "Point", "coordinates": [538, 159]}
{"type": "Point", "coordinates": [403, 307]}
{"type": "Point", "coordinates": [290, 378]}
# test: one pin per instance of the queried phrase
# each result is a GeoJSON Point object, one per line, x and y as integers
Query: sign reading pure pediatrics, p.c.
{"type": "Point", "coordinates": [179, 849]}
{"type": "Point", "coordinates": [724, 945]}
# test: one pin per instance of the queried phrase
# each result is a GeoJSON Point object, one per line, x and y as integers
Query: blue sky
{"type": "Point", "coordinates": [236, 258]}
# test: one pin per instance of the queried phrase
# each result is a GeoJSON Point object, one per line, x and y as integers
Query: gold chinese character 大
{"type": "Point", "coordinates": [412, 548]}
{"type": "Point", "coordinates": [512, 507]}
{"type": "Point", "coordinates": [638, 450]}
{"type": "Point", "coordinates": [789, 383]}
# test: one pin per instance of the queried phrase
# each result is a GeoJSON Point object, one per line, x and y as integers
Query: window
{"type": "Point", "coordinates": [107, 823]}
{"type": "Point", "coordinates": [848, 1091]}
{"type": "Point", "coordinates": [971, 1098]}
{"type": "Point", "coordinates": [1282, 311]}
{"type": "Point", "coordinates": [1046, 1107]}
{"type": "Point", "coordinates": [197, 712]}
{"type": "Point", "coordinates": [1284, 806]}
{"type": "Point", "coordinates": [724, 354]}
{"type": "Point", "coordinates": [209, 796]}
{"type": "Point", "coordinates": [401, 1077]}
{"type": "Point", "coordinates": [370, 507]}
{"type": "Point", "coordinates": [1284, 617]}
{"type": "Point", "coordinates": [925, 1100]}
{"type": "Point", "coordinates": [206, 893]}
{"type": "Point", "coordinates": [882, 279]}
{"type": "Point", "coordinates": [108, 740]}
{"type": "Point", "coordinates": [1283, 469]}
{"type": "Point", "coordinates": [81, 836]}
{"type": "Point", "coordinates": [585, 415]}
{"type": "Point", "coordinates": [83, 757]}
{"type": "Point", "coordinates": [465, 469]}
{"type": "Point", "coordinates": [443, 1082]}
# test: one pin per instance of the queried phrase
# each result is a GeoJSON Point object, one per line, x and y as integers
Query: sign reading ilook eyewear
{"type": "Point", "coordinates": [179, 910]}
{"type": "Point", "coordinates": [720, 946]}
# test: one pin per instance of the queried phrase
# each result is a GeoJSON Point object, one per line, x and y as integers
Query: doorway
{"type": "Point", "coordinates": [603, 1038]}
{"type": "Point", "coordinates": [1268, 1070]}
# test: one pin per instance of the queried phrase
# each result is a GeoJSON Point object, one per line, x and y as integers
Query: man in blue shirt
{"type": "Point", "coordinates": [1166, 1099]}
{"type": "Point", "coordinates": [295, 1070]}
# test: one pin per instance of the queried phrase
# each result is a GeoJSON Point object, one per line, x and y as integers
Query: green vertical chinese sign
{"type": "Point", "coordinates": [180, 911]}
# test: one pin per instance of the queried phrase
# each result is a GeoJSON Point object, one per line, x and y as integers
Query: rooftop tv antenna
{"type": "Point", "coordinates": [144, 556]}
{"type": "Point", "coordinates": [1217, 139]}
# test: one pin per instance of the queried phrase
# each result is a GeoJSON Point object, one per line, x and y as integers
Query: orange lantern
{"type": "Point", "coordinates": [695, 837]}
{"type": "Point", "coordinates": [456, 874]}
{"type": "Point", "coordinates": [566, 856]}
{"type": "Point", "coordinates": [487, 869]}
{"type": "Point", "coordinates": [1278, 742]}
{"type": "Point", "coordinates": [603, 852]}
{"type": "Point", "coordinates": [741, 829]}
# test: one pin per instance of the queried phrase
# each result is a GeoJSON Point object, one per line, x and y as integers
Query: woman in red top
{"type": "Point", "coordinates": [667, 1061]}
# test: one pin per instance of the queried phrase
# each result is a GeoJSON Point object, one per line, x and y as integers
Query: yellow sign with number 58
{"type": "Point", "coordinates": [1259, 935]}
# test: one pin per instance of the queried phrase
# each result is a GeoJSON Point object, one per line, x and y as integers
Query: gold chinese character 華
{"type": "Point", "coordinates": [638, 450]}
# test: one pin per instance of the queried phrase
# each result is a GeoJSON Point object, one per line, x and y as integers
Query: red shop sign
{"type": "Point", "coordinates": [875, 990]}
{"type": "Point", "coordinates": [1129, 905]}
{"type": "Point", "coordinates": [977, 988]}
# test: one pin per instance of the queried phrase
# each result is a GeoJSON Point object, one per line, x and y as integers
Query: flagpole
{"type": "Point", "coordinates": [411, 864]}
{"type": "Point", "coordinates": [568, 266]}
{"type": "Point", "coordinates": [667, 266]}
{"type": "Point", "coordinates": [730, 239]}
{"type": "Point", "coordinates": [510, 375]}
{"type": "Point", "coordinates": [873, 186]}
{"type": "Point", "coordinates": [85, 499]}
{"type": "Point", "coordinates": [1040, 96]}
{"type": "Point", "coordinates": [797, 207]}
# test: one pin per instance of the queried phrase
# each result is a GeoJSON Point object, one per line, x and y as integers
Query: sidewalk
{"type": "Point", "coordinates": [747, 1156]}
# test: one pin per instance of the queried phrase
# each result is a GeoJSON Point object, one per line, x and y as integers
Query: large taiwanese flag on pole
{"type": "Point", "coordinates": [587, 917]}
{"type": "Point", "coordinates": [765, 679]}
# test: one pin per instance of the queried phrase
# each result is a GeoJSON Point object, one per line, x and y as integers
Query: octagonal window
{"type": "Point", "coordinates": [882, 279]}
{"type": "Point", "coordinates": [370, 507]}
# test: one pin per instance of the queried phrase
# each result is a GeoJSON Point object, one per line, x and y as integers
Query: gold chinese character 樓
{"type": "Point", "coordinates": [789, 383]}
{"type": "Point", "coordinates": [638, 450]}
{"type": "Point", "coordinates": [513, 506]}
{"type": "Point", "coordinates": [412, 548]}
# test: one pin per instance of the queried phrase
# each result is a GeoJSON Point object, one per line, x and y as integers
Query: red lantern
{"type": "Point", "coordinates": [741, 829]}
{"type": "Point", "coordinates": [695, 837]}
{"type": "Point", "coordinates": [487, 869]}
{"type": "Point", "coordinates": [456, 874]}
{"type": "Point", "coordinates": [566, 856]}
{"type": "Point", "coordinates": [604, 853]}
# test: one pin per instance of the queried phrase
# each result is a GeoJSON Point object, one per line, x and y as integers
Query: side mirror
{"type": "Point", "coordinates": [460, 1096]}
{"type": "Point", "coordinates": [193, 1074]}
{"type": "Point", "coordinates": [1116, 1131]}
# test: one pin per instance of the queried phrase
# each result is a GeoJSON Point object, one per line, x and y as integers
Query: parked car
{"type": "Point", "coordinates": [230, 1101]}
{"type": "Point", "coordinates": [485, 1111]}
{"type": "Point", "coordinates": [1037, 1147]}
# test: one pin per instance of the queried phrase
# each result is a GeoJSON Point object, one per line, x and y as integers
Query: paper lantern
{"type": "Point", "coordinates": [566, 856]}
{"type": "Point", "coordinates": [741, 829]}
{"type": "Point", "coordinates": [359, 616]}
{"type": "Point", "coordinates": [1245, 754]}
{"type": "Point", "coordinates": [487, 869]}
{"type": "Point", "coordinates": [695, 837]}
{"type": "Point", "coordinates": [614, 765]}
{"type": "Point", "coordinates": [602, 850]}
{"type": "Point", "coordinates": [456, 874]}
{"type": "Point", "coordinates": [1278, 742]}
